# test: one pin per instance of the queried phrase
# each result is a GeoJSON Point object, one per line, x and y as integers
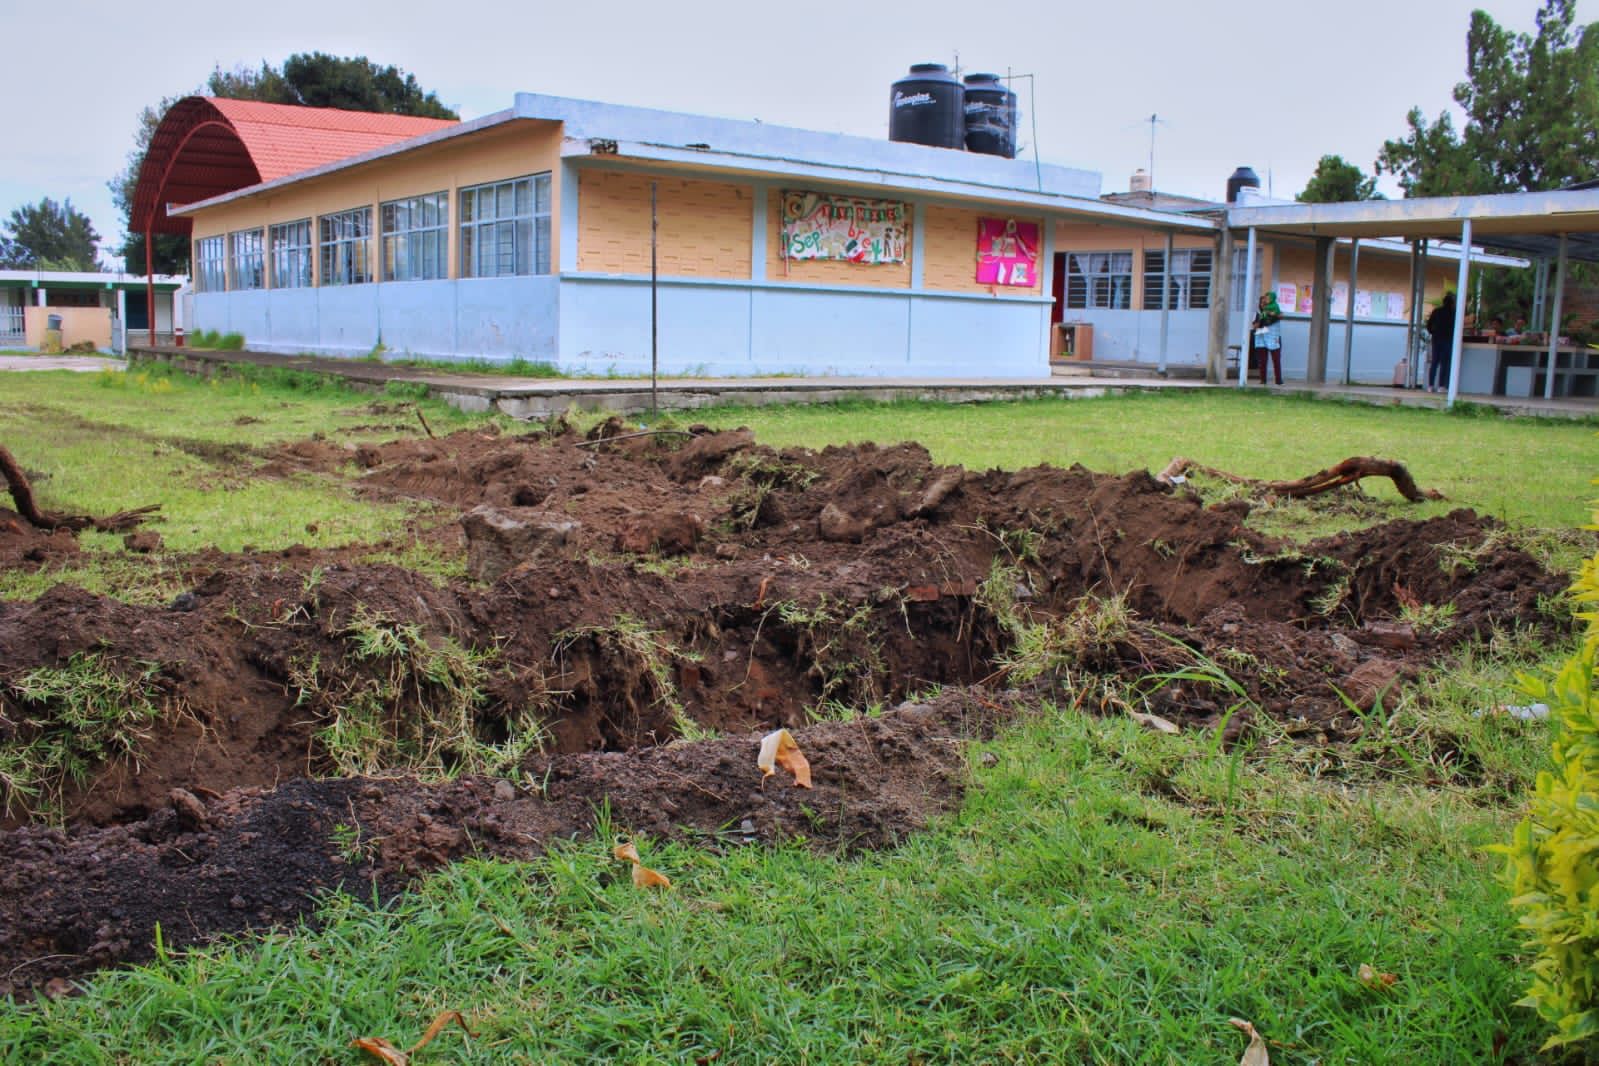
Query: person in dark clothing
{"type": "Point", "coordinates": [1441, 328]}
{"type": "Point", "coordinates": [1266, 337]}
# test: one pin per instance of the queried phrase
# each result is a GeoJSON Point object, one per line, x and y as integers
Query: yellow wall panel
{"type": "Point", "coordinates": [705, 226]}
{"type": "Point", "coordinates": [950, 245]}
{"type": "Point", "coordinates": [514, 150]}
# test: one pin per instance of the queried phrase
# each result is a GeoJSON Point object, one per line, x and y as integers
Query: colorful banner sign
{"type": "Point", "coordinates": [1007, 252]}
{"type": "Point", "coordinates": [816, 226]}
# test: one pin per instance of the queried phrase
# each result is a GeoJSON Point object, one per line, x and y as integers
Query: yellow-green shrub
{"type": "Point", "coordinates": [1553, 857]}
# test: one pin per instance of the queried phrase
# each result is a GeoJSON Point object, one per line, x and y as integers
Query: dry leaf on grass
{"type": "Point", "coordinates": [1154, 721]}
{"type": "Point", "coordinates": [383, 1051]}
{"type": "Point", "coordinates": [1255, 1054]}
{"type": "Point", "coordinates": [643, 876]}
{"type": "Point", "coordinates": [1372, 978]}
{"type": "Point", "coordinates": [778, 748]}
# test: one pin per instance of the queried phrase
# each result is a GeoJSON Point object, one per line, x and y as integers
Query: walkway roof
{"type": "Point", "coordinates": [205, 146]}
{"type": "Point", "coordinates": [1525, 223]}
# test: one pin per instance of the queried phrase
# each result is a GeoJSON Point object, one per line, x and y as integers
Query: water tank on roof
{"type": "Point", "coordinates": [990, 116]}
{"type": "Point", "coordinates": [1243, 178]}
{"type": "Point", "coordinates": [928, 106]}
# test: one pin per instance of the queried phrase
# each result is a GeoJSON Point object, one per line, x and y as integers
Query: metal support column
{"type": "Point", "coordinates": [1320, 313]}
{"type": "Point", "coordinates": [1165, 303]}
{"type": "Point", "coordinates": [1251, 299]}
{"type": "Point", "coordinates": [1554, 320]}
{"type": "Point", "coordinates": [149, 288]}
{"type": "Point", "coordinates": [122, 322]}
{"type": "Point", "coordinates": [1460, 313]}
{"type": "Point", "coordinates": [1349, 307]}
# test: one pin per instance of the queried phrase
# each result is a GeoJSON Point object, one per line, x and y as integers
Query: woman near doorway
{"type": "Point", "coordinates": [1267, 337]}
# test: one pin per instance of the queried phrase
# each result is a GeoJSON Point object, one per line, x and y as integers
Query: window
{"type": "Point", "coordinates": [1188, 284]}
{"type": "Point", "coordinates": [210, 264]}
{"type": "Point", "coordinates": [505, 228]}
{"type": "Point", "coordinates": [1099, 279]}
{"type": "Point", "coordinates": [414, 237]}
{"type": "Point", "coordinates": [346, 245]}
{"type": "Point", "coordinates": [291, 255]}
{"type": "Point", "coordinates": [246, 259]}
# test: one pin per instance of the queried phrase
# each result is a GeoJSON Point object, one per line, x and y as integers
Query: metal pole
{"type": "Point", "coordinates": [654, 305]}
{"type": "Point", "coordinates": [1554, 320]}
{"type": "Point", "coordinates": [1349, 306]}
{"type": "Point", "coordinates": [1410, 321]}
{"type": "Point", "coordinates": [1460, 312]}
{"type": "Point", "coordinates": [1540, 290]}
{"type": "Point", "coordinates": [1421, 302]}
{"type": "Point", "coordinates": [149, 282]}
{"type": "Point", "coordinates": [1165, 303]}
{"type": "Point", "coordinates": [1248, 319]}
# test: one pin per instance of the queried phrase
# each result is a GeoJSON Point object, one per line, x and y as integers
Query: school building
{"type": "Point", "coordinates": [535, 233]}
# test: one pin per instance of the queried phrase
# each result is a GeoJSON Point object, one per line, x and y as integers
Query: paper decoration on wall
{"type": "Point", "coordinates": [1007, 252]}
{"type": "Point", "coordinates": [1362, 303]}
{"type": "Point", "coordinates": [1396, 305]}
{"type": "Point", "coordinates": [854, 230]}
{"type": "Point", "coordinates": [1340, 298]}
{"type": "Point", "coordinates": [1285, 296]}
{"type": "Point", "coordinates": [1306, 299]}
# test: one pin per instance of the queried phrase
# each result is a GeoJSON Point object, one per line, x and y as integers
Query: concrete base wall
{"type": "Point", "coordinates": [756, 329]}
{"type": "Point", "coordinates": [1134, 336]}
{"type": "Point", "coordinates": [1378, 348]}
{"type": "Point", "coordinates": [476, 318]}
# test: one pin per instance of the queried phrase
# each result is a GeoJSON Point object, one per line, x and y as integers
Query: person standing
{"type": "Point", "coordinates": [1267, 337]}
{"type": "Point", "coordinates": [1441, 328]}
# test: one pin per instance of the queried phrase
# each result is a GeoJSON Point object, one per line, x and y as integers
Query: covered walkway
{"type": "Point", "coordinates": [1548, 228]}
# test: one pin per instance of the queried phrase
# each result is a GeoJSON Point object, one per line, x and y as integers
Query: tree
{"type": "Point", "coordinates": [1531, 104]}
{"type": "Point", "coordinates": [49, 236]}
{"type": "Point", "coordinates": [312, 79]}
{"type": "Point", "coordinates": [1337, 181]}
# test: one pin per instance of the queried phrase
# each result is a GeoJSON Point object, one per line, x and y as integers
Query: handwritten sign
{"type": "Point", "coordinates": [816, 226]}
{"type": "Point", "coordinates": [1007, 252]}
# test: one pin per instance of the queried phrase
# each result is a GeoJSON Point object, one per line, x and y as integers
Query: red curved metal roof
{"type": "Point", "coordinates": [206, 146]}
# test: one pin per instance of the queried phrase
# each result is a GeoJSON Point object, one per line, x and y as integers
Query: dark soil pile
{"type": "Point", "coordinates": [632, 589]}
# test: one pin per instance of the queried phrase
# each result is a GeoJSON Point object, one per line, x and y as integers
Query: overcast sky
{"type": "Point", "coordinates": [1275, 89]}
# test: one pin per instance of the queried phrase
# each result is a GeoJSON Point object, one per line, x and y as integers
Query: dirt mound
{"type": "Point", "coordinates": [252, 859]}
{"type": "Point", "coordinates": [23, 547]}
{"type": "Point", "coordinates": [635, 590]}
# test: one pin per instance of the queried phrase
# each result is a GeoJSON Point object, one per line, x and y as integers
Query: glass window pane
{"type": "Point", "coordinates": [541, 263]}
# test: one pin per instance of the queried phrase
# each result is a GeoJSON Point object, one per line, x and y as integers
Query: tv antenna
{"type": "Point", "coordinates": [1154, 120]}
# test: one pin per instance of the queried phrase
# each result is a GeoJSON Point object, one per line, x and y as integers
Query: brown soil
{"type": "Point", "coordinates": [708, 580]}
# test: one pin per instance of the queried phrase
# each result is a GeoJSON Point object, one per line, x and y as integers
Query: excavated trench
{"type": "Point", "coordinates": [644, 607]}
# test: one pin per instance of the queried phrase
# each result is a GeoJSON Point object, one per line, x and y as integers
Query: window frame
{"type": "Point", "coordinates": [345, 258]}
{"type": "Point", "coordinates": [211, 263]}
{"type": "Point", "coordinates": [406, 237]}
{"type": "Point", "coordinates": [1106, 289]}
{"type": "Point", "coordinates": [1183, 282]}
{"type": "Point", "coordinates": [497, 240]}
{"type": "Point", "coordinates": [291, 260]}
{"type": "Point", "coordinates": [247, 265]}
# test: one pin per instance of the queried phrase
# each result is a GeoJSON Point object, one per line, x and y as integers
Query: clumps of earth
{"type": "Point", "coordinates": [640, 610]}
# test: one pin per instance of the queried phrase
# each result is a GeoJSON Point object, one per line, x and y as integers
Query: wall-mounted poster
{"type": "Point", "coordinates": [1285, 296]}
{"type": "Point", "coordinates": [817, 226]}
{"type": "Point", "coordinates": [1362, 303]}
{"type": "Point", "coordinates": [1007, 252]}
{"type": "Point", "coordinates": [1396, 305]}
{"type": "Point", "coordinates": [1306, 299]}
{"type": "Point", "coordinates": [1340, 298]}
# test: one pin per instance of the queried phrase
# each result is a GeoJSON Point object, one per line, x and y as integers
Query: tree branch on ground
{"type": "Point", "coordinates": [1347, 472]}
{"type": "Point", "coordinates": [22, 495]}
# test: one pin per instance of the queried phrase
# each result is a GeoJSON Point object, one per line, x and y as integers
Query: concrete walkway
{"type": "Point", "coordinates": [82, 364]}
{"type": "Point", "coordinates": [525, 397]}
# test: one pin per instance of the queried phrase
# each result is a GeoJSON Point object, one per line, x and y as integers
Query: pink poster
{"type": "Point", "coordinates": [1007, 252]}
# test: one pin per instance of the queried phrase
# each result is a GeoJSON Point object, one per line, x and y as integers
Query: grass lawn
{"type": "Point", "coordinates": [1106, 894]}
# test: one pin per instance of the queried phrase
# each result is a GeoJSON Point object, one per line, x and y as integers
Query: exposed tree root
{"type": "Point", "coordinates": [22, 495]}
{"type": "Point", "coordinates": [1347, 472]}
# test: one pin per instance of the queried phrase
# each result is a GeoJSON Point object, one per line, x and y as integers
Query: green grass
{"type": "Point", "coordinates": [1096, 900]}
{"type": "Point", "coordinates": [518, 367]}
{"type": "Point", "coordinates": [1105, 894]}
{"type": "Point", "coordinates": [103, 443]}
{"type": "Point", "coordinates": [1532, 472]}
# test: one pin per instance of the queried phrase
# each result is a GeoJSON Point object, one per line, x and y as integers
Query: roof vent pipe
{"type": "Point", "coordinates": [1139, 182]}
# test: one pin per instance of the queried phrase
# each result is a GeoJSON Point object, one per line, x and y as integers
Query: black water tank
{"type": "Point", "coordinates": [990, 116]}
{"type": "Point", "coordinates": [928, 106]}
{"type": "Point", "coordinates": [1243, 178]}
